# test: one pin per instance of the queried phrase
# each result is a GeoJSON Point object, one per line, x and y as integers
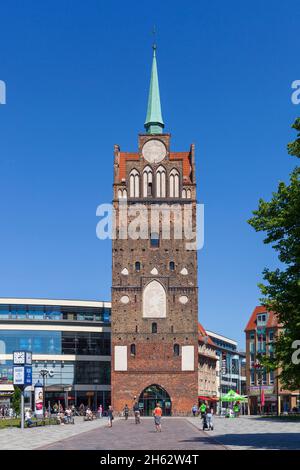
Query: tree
{"type": "Point", "coordinates": [16, 401]}
{"type": "Point", "coordinates": [280, 219]}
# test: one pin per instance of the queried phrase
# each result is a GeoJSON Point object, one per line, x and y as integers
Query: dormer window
{"type": "Point", "coordinates": [261, 319]}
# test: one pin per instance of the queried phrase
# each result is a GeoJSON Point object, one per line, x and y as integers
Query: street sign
{"type": "Point", "coordinates": [19, 375]}
{"type": "Point", "coordinates": [22, 375]}
{"type": "Point", "coordinates": [28, 375]}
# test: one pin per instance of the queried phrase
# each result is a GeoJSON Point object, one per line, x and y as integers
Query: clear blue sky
{"type": "Point", "coordinates": [77, 76]}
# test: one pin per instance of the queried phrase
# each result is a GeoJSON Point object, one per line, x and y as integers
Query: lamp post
{"type": "Point", "coordinates": [259, 368]}
{"type": "Point", "coordinates": [277, 394]}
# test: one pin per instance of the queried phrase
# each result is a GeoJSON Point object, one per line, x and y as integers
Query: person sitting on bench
{"type": "Point", "coordinates": [28, 419]}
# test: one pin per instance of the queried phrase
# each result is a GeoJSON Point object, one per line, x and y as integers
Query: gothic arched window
{"type": "Point", "coordinates": [176, 349]}
{"type": "Point", "coordinates": [122, 194]}
{"type": "Point", "coordinates": [154, 328]}
{"type": "Point", "coordinates": [134, 183]}
{"type": "Point", "coordinates": [161, 182]}
{"type": "Point", "coordinates": [137, 266]}
{"type": "Point", "coordinates": [132, 349]}
{"type": "Point", "coordinates": [174, 183]}
{"type": "Point", "coordinates": [147, 182]}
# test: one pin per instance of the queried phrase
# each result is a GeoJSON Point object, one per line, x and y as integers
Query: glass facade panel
{"type": "Point", "coordinates": [92, 372]}
{"type": "Point", "coordinates": [86, 343]}
{"type": "Point", "coordinates": [40, 312]}
{"type": "Point", "coordinates": [62, 373]}
{"type": "Point", "coordinates": [39, 342]}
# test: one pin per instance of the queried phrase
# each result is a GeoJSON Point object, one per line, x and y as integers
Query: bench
{"type": "Point", "coordinates": [90, 418]}
{"type": "Point", "coordinates": [41, 422]}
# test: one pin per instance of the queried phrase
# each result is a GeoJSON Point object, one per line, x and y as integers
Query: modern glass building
{"type": "Point", "coordinates": [231, 369]}
{"type": "Point", "coordinates": [68, 338]}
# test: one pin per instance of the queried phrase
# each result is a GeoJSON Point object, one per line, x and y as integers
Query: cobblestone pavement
{"type": "Point", "coordinates": [177, 433]}
{"type": "Point", "coordinates": [249, 432]}
{"type": "Point", "coordinates": [31, 438]}
{"type": "Point", "coordinates": [253, 432]}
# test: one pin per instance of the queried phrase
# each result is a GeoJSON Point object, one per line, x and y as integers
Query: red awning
{"type": "Point", "coordinates": [208, 398]}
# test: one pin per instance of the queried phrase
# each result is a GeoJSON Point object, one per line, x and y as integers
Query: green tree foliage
{"type": "Point", "coordinates": [280, 219]}
{"type": "Point", "coordinates": [16, 401]}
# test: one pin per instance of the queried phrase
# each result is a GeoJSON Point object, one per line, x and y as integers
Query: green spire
{"type": "Point", "coordinates": [154, 123]}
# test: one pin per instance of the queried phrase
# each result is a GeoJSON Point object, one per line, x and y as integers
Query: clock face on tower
{"type": "Point", "coordinates": [19, 357]}
{"type": "Point", "coordinates": [28, 357]}
{"type": "Point", "coordinates": [154, 151]}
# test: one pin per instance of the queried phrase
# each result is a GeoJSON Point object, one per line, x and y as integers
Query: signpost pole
{"type": "Point", "coordinates": [22, 367]}
{"type": "Point", "coordinates": [22, 407]}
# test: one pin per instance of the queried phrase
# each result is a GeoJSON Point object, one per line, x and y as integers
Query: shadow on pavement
{"type": "Point", "coordinates": [276, 419]}
{"type": "Point", "coordinates": [277, 441]}
{"type": "Point", "coordinates": [205, 440]}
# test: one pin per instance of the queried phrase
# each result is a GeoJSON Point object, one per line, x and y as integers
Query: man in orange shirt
{"type": "Point", "coordinates": [157, 413]}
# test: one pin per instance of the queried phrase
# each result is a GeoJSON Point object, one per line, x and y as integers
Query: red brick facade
{"type": "Point", "coordinates": [154, 360]}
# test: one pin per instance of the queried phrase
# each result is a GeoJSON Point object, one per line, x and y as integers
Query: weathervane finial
{"type": "Point", "coordinates": [154, 38]}
{"type": "Point", "coordinates": [154, 123]}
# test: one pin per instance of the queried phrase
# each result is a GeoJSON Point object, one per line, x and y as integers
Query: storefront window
{"type": "Point", "coordinates": [6, 373]}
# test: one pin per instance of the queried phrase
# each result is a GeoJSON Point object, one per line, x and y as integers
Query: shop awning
{"type": "Point", "coordinates": [6, 388]}
{"type": "Point", "coordinates": [58, 388]}
{"type": "Point", "coordinates": [201, 397]}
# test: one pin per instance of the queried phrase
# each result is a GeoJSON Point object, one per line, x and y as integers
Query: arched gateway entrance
{"type": "Point", "coordinates": [152, 395]}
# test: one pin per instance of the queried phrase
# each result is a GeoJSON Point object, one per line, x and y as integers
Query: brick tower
{"type": "Point", "coordinates": [154, 281]}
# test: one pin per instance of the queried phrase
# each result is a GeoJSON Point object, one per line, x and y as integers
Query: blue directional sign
{"type": "Point", "coordinates": [28, 375]}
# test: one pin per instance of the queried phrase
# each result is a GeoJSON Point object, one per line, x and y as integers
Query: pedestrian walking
{"type": "Point", "coordinates": [202, 409]}
{"type": "Point", "coordinates": [209, 420]}
{"type": "Point", "coordinates": [137, 414]}
{"type": "Point", "coordinates": [194, 410]}
{"type": "Point", "coordinates": [236, 410]}
{"type": "Point", "coordinates": [68, 414]}
{"type": "Point", "coordinates": [110, 416]}
{"type": "Point", "coordinates": [126, 412]}
{"type": "Point", "coordinates": [81, 409]}
{"type": "Point", "coordinates": [100, 411]}
{"type": "Point", "coordinates": [157, 413]}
